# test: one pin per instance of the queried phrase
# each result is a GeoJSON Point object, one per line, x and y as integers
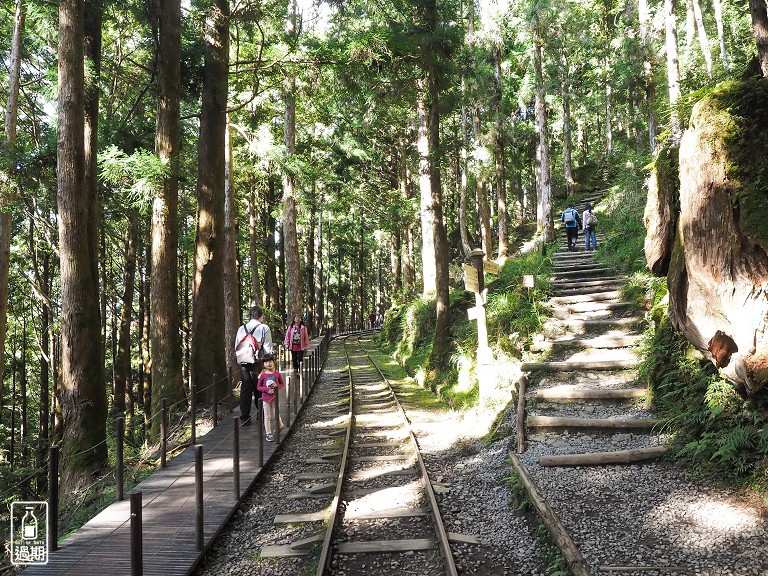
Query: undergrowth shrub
{"type": "Point", "coordinates": [716, 432]}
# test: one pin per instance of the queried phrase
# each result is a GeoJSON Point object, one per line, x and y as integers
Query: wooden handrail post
{"type": "Point", "coordinates": [199, 526]}
{"type": "Point", "coordinates": [236, 456]}
{"type": "Point", "coordinates": [137, 553]}
{"type": "Point", "coordinates": [53, 498]}
{"type": "Point", "coordinates": [119, 458]}
{"type": "Point", "coordinates": [163, 430]}
{"type": "Point", "coordinates": [215, 397]}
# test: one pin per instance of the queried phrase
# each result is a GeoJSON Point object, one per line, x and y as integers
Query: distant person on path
{"type": "Point", "coordinates": [252, 342]}
{"type": "Point", "coordinates": [572, 224]}
{"type": "Point", "coordinates": [590, 227]}
{"type": "Point", "coordinates": [297, 340]}
{"type": "Point", "coordinates": [269, 384]}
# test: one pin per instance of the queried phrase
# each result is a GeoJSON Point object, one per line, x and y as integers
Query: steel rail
{"type": "Point", "coordinates": [442, 534]}
{"type": "Point", "coordinates": [325, 552]}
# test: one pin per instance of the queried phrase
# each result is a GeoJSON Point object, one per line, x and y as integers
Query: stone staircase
{"type": "Point", "coordinates": [586, 408]}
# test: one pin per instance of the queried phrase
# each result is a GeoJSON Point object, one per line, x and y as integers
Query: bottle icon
{"type": "Point", "coordinates": [29, 525]}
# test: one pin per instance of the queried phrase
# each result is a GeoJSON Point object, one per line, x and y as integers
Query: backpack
{"type": "Point", "coordinates": [590, 220]}
{"type": "Point", "coordinates": [569, 216]}
{"type": "Point", "coordinates": [248, 353]}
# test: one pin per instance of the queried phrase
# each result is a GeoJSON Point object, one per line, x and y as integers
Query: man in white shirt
{"type": "Point", "coordinates": [249, 371]}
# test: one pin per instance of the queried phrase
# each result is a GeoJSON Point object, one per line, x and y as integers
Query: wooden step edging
{"type": "Point", "coordinates": [599, 458]}
{"type": "Point", "coordinates": [558, 531]}
{"type": "Point", "coordinates": [597, 423]}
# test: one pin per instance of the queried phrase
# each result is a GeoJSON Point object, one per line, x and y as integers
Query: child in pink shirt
{"type": "Point", "coordinates": [270, 381]}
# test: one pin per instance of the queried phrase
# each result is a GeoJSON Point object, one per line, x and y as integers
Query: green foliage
{"type": "Point", "coordinates": [514, 313]}
{"type": "Point", "coordinates": [716, 432]}
{"type": "Point", "coordinates": [138, 175]}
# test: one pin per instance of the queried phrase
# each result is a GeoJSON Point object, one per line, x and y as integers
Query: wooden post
{"type": "Point", "coordinates": [215, 398]}
{"type": "Point", "coordinates": [260, 426]}
{"type": "Point", "coordinates": [236, 456]}
{"type": "Point", "coordinates": [521, 386]}
{"type": "Point", "coordinates": [137, 560]}
{"type": "Point", "coordinates": [199, 526]}
{"type": "Point", "coordinates": [53, 498]}
{"type": "Point", "coordinates": [193, 408]}
{"type": "Point", "coordinates": [163, 430]}
{"type": "Point", "coordinates": [119, 458]}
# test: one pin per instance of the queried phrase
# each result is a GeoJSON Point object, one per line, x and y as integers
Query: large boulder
{"type": "Point", "coordinates": [718, 269]}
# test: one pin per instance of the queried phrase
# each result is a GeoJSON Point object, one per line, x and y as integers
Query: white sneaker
{"type": "Point", "coordinates": [270, 438]}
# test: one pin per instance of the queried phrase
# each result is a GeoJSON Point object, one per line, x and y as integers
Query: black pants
{"type": "Point", "coordinates": [297, 356]}
{"type": "Point", "coordinates": [249, 375]}
{"type": "Point", "coordinates": [573, 236]}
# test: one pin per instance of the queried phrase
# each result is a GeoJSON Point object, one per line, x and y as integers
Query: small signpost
{"type": "Point", "coordinates": [474, 280]}
{"type": "Point", "coordinates": [490, 267]}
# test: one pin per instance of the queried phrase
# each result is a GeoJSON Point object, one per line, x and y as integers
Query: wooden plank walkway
{"type": "Point", "coordinates": [103, 545]}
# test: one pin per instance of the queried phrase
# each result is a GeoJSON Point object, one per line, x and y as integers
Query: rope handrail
{"type": "Point", "coordinates": [9, 491]}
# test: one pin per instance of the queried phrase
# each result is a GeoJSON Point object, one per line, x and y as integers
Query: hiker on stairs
{"type": "Point", "coordinates": [572, 224]}
{"type": "Point", "coordinates": [590, 228]}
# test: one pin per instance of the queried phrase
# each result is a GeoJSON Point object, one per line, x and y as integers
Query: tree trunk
{"type": "Point", "coordinates": [93, 12]}
{"type": "Point", "coordinates": [703, 40]}
{"type": "Point", "coordinates": [208, 326]}
{"type": "Point", "coordinates": [545, 225]}
{"type": "Point", "coordinates": [759, 12]}
{"type": "Point", "coordinates": [466, 248]}
{"type": "Point", "coordinates": [255, 255]}
{"type": "Point", "coordinates": [481, 192]}
{"type": "Point", "coordinates": [501, 188]}
{"type": "Point", "coordinates": [166, 379]}
{"type": "Point", "coordinates": [294, 303]}
{"type": "Point", "coordinates": [428, 263]}
{"type": "Point", "coordinates": [231, 280]}
{"type": "Point", "coordinates": [84, 401]}
{"type": "Point", "coordinates": [270, 268]}
{"type": "Point", "coordinates": [649, 82]}
{"type": "Point", "coordinates": [310, 262]}
{"type": "Point", "coordinates": [6, 222]}
{"type": "Point", "coordinates": [46, 354]}
{"type": "Point", "coordinates": [565, 88]}
{"type": "Point", "coordinates": [673, 70]}
{"type": "Point", "coordinates": [718, 7]}
{"type": "Point", "coordinates": [320, 276]}
{"type": "Point", "coordinates": [123, 380]}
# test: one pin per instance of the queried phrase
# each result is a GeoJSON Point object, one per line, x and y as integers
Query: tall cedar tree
{"type": "Point", "coordinates": [164, 296]}
{"type": "Point", "coordinates": [290, 236]}
{"type": "Point", "coordinates": [84, 401]}
{"type": "Point", "coordinates": [6, 222]}
{"type": "Point", "coordinates": [430, 99]}
{"type": "Point", "coordinates": [207, 350]}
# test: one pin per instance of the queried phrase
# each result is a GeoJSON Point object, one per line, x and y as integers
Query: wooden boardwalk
{"type": "Point", "coordinates": [103, 545]}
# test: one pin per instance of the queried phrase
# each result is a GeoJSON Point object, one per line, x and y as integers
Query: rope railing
{"type": "Point", "coordinates": [309, 372]}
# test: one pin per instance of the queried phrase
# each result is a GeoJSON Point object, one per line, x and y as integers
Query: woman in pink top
{"type": "Point", "coordinates": [270, 381]}
{"type": "Point", "coordinates": [297, 340]}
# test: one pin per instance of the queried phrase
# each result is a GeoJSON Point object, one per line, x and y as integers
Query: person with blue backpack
{"type": "Point", "coordinates": [572, 222]}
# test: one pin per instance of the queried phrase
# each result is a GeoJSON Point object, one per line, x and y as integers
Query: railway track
{"type": "Point", "coordinates": [374, 503]}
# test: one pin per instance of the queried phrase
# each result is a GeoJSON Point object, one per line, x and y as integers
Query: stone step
{"type": "Point", "coordinates": [565, 284]}
{"type": "Point", "coordinates": [580, 365]}
{"type": "Point", "coordinates": [591, 423]}
{"type": "Point", "coordinates": [566, 393]}
{"type": "Point", "coordinates": [602, 342]}
{"type": "Point", "coordinates": [602, 287]}
{"type": "Point", "coordinates": [555, 327]}
{"type": "Point", "coordinates": [585, 267]}
{"type": "Point", "coordinates": [585, 310]}
{"type": "Point", "coordinates": [589, 297]}
{"type": "Point", "coordinates": [595, 271]}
